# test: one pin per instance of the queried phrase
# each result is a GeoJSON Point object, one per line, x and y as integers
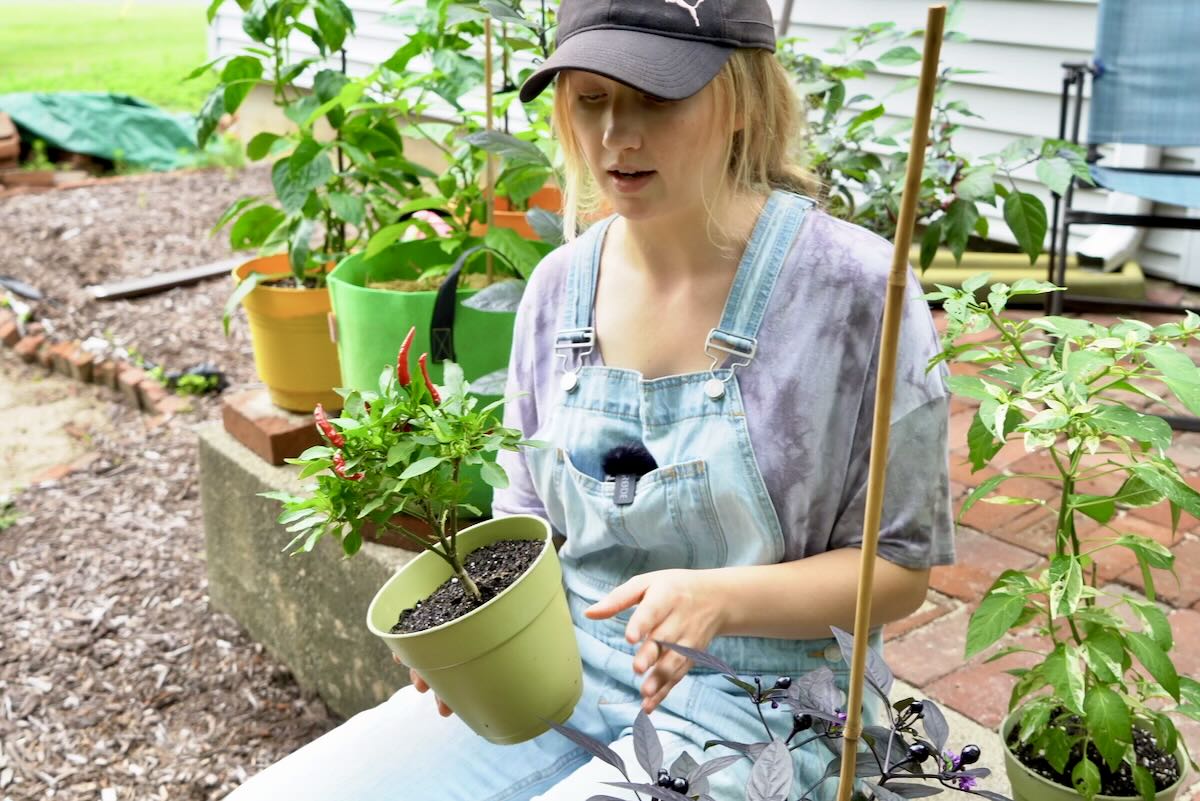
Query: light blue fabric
{"type": "Point", "coordinates": [1176, 190]}
{"type": "Point", "coordinates": [706, 506]}
{"type": "Point", "coordinates": [1146, 90]}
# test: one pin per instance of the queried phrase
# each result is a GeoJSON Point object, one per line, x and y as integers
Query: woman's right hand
{"type": "Point", "coordinates": [422, 687]}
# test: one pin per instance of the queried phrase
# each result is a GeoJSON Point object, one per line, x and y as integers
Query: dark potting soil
{"type": "Point", "coordinates": [289, 282]}
{"type": "Point", "coordinates": [1161, 764]}
{"type": "Point", "coordinates": [493, 568]}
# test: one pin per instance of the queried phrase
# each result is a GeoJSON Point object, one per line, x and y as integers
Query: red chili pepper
{"type": "Point", "coordinates": [429, 384]}
{"type": "Point", "coordinates": [339, 468]}
{"type": "Point", "coordinates": [332, 434]}
{"type": "Point", "coordinates": [402, 372]}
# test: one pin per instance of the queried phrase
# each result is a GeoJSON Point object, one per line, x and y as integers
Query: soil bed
{"type": "Point", "coordinates": [493, 568]}
{"type": "Point", "coordinates": [115, 673]}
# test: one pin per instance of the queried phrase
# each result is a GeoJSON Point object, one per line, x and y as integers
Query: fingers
{"type": "Point", "coordinates": [619, 599]}
{"type": "Point", "coordinates": [421, 687]}
{"type": "Point", "coordinates": [667, 672]}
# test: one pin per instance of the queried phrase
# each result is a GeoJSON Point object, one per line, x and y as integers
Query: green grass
{"type": "Point", "coordinates": [137, 48]}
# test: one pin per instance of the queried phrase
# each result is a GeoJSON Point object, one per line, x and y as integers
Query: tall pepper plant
{"type": "Point", "coordinates": [1065, 387]}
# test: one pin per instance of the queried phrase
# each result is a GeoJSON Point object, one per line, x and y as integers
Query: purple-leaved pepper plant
{"type": "Point", "coordinates": [895, 761]}
{"type": "Point", "coordinates": [1086, 397]}
{"type": "Point", "coordinates": [395, 456]}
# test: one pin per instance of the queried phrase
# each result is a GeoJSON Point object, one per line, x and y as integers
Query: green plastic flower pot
{"type": "Point", "coordinates": [1029, 786]}
{"type": "Point", "coordinates": [507, 667]}
{"type": "Point", "coordinates": [371, 323]}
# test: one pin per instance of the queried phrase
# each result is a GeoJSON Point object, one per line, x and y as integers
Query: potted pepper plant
{"type": "Point", "coordinates": [1092, 715]}
{"type": "Point", "coordinates": [472, 608]}
{"type": "Point", "coordinates": [332, 191]}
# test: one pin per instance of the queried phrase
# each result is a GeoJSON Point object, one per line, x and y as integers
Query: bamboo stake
{"type": "Point", "coordinates": [489, 193]}
{"type": "Point", "coordinates": [893, 309]}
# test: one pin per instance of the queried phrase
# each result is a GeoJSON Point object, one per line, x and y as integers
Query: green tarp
{"type": "Point", "coordinates": [108, 126]}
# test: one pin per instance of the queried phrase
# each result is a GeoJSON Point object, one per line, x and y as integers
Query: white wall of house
{"type": "Point", "coordinates": [1019, 45]}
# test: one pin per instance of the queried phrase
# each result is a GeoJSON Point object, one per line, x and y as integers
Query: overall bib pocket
{"type": "Point", "coordinates": [639, 538]}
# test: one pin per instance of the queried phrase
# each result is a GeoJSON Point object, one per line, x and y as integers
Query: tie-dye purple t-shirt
{"type": "Point", "coordinates": [809, 396]}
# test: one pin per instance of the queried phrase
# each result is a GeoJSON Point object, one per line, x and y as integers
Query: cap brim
{"type": "Point", "coordinates": [663, 66]}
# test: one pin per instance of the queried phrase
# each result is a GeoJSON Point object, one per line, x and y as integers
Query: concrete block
{"type": "Point", "coordinates": [310, 610]}
{"type": "Point", "coordinates": [273, 433]}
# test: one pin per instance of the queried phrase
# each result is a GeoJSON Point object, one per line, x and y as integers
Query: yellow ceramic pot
{"type": "Point", "coordinates": [293, 352]}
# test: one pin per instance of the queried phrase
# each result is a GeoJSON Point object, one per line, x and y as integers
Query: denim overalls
{"type": "Point", "coordinates": [706, 506]}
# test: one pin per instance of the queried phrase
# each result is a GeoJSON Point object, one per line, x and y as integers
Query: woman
{"type": "Point", "coordinates": [725, 325]}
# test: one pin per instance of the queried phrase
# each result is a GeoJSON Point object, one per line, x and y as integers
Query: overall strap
{"type": "Point", "coordinates": [773, 236]}
{"type": "Point", "coordinates": [576, 331]}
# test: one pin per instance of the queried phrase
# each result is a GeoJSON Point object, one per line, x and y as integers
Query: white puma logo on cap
{"type": "Point", "coordinates": [691, 9]}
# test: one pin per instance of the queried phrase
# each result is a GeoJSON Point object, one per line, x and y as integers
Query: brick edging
{"type": "Point", "coordinates": [129, 383]}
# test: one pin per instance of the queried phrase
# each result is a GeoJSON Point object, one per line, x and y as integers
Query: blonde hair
{"type": "Point", "coordinates": [762, 155]}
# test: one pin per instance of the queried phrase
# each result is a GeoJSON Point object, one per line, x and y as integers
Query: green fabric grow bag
{"type": "Point", "coordinates": [371, 323]}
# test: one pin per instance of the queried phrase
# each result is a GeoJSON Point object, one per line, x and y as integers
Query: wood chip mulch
{"type": "Point", "coordinates": [117, 680]}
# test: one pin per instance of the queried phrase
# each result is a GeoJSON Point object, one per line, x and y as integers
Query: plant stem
{"type": "Point", "coordinates": [1009, 336]}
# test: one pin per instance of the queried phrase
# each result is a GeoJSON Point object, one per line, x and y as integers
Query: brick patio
{"type": "Point", "coordinates": [927, 650]}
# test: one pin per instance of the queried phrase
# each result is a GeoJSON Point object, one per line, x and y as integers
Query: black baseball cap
{"type": "Point", "coordinates": [666, 48]}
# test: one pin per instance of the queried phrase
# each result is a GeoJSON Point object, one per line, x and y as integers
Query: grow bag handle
{"type": "Point", "coordinates": [441, 325]}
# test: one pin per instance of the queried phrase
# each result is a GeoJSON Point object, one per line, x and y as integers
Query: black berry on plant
{"type": "Point", "coordinates": [969, 756]}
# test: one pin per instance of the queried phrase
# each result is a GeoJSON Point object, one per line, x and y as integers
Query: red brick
{"type": "Point", "coordinates": [28, 347]}
{"type": "Point", "coordinates": [987, 517]}
{"type": "Point", "coordinates": [1114, 561]}
{"type": "Point", "coordinates": [960, 471]}
{"type": "Point", "coordinates": [980, 559]}
{"type": "Point", "coordinates": [105, 373]}
{"type": "Point", "coordinates": [961, 404]}
{"type": "Point", "coordinates": [45, 355]}
{"type": "Point", "coordinates": [273, 433]}
{"type": "Point", "coordinates": [56, 473]}
{"type": "Point", "coordinates": [1185, 624]}
{"type": "Point", "coordinates": [930, 652]}
{"type": "Point", "coordinates": [6, 317]}
{"type": "Point", "coordinates": [1184, 592]}
{"type": "Point", "coordinates": [934, 607]}
{"type": "Point", "coordinates": [9, 335]}
{"type": "Point", "coordinates": [150, 392]}
{"type": "Point", "coordinates": [980, 689]}
{"type": "Point", "coordinates": [128, 380]}
{"type": "Point", "coordinates": [960, 424]}
{"type": "Point", "coordinates": [82, 364]}
{"type": "Point", "coordinates": [60, 355]}
{"type": "Point", "coordinates": [172, 405]}
{"type": "Point", "coordinates": [1012, 452]}
{"type": "Point", "coordinates": [1035, 530]}
{"type": "Point", "coordinates": [1185, 450]}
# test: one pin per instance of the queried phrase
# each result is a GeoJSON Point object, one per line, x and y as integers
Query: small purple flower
{"type": "Point", "coordinates": [950, 759]}
{"type": "Point", "coordinates": [966, 783]}
{"type": "Point", "coordinates": [842, 716]}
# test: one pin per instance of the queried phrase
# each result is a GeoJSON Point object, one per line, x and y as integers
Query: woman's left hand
{"type": "Point", "coordinates": [676, 606]}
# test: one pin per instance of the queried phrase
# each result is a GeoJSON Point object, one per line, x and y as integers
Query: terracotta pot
{"type": "Point", "coordinates": [548, 198]}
